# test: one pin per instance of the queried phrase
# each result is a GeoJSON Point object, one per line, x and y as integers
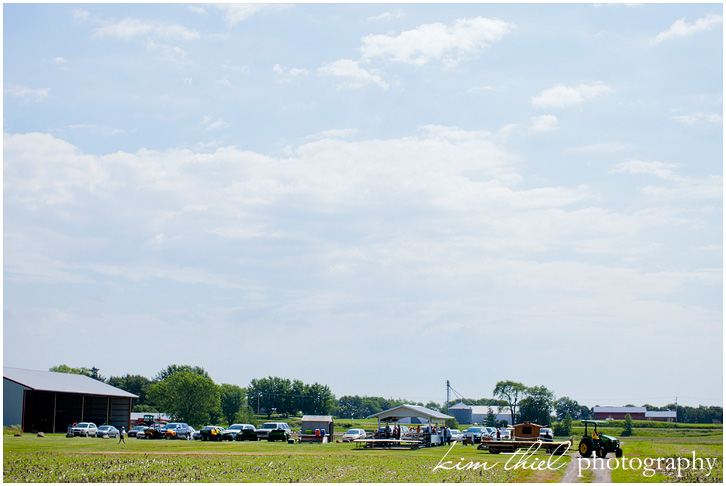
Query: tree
{"type": "Point", "coordinates": [186, 397]}
{"type": "Point", "coordinates": [171, 369]}
{"type": "Point", "coordinates": [144, 409]}
{"type": "Point", "coordinates": [491, 420]}
{"type": "Point", "coordinates": [585, 413]}
{"type": "Point", "coordinates": [231, 399]}
{"type": "Point", "coordinates": [628, 426]}
{"type": "Point", "coordinates": [565, 405]}
{"type": "Point", "coordinates": [319, 400]}
{"type": "Point", "coordinates": [564, 428]}
{"type": "Point", "coordinates": [435, 406]}
{"type": "Point", "coordinates": [270, 393]}
{"type": "Point", "coordinates": [136, 384]}
{"type": "Point", "coordinates": [510, 391]}
{"type": "Point", "coordinates": [351, 406]}
{"type": "Point", "coordinates": [92, 372]}
{"type": "Point", "coordinates": [537, 406]}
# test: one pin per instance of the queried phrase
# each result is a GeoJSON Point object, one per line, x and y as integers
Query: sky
{"type": "Point", "coordinates": [375, 197]}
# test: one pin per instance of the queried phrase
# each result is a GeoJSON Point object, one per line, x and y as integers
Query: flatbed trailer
{"type": "Point", "coordinates": [497, 446]}
{"type": "Point", "coordinates": [387, 443]}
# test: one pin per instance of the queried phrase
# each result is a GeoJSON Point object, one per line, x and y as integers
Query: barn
{"type": "Point", "coordinates": [477, 414]}
{"type": "Point", "coordinates": [619, 413]}
{"type": "Point", "coordinates": [46, 401]}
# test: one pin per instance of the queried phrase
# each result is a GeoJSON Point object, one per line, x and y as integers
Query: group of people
{"type": "Point", "coordinates": [431, 434]}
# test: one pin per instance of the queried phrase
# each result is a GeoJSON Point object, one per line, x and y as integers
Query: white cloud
{"type": "Point", "coordinates": [386, 16]}
{"type": "Point", "coordinates": [169, 53]}
{"type": "Point", "coordinates": [197, 9]}
{"type": "Point", "coordinates": [601, 147]}
{"type": "Point", "coordinates": [351, 74]}
{"type": "Point", "coordinates": [681, 28]}
{"type": "Point", "coordinates": [28, 95]}
{"type": "Point", "coordinates": [698, 118]}
{"type": "Point", "coordinates": [288, 74]}
{"type": "Point", "coordinates": [80, 15]}
{"type": "Point", "coordinates": [210, 124]}
{"type": "Point", "coordinates": [561, 96]}
{"type": "Point", "coordinates": [334, 133]}
{"type": "Point", "coordinates": [544, 123]}
{"type": "Point", "coordinates": [654, 168]}
{"type": "Point", "coordinates": [437, 41]}
{"type": "Point", "coordinates": [678, 187]}
{"type": "Point", "coordinates": [480, 89]}
{"type": "Point", "coordinates": [234, 13]}
{"type": "Point", "coordinates": [129, 28]}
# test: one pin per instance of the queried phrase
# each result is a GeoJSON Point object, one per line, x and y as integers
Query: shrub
{"type": "Point", "coordinates": [12, 429]}
{"type": "Point", "coordinates": [627, 426]}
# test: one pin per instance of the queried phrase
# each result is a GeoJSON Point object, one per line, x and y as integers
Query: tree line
{"type": "Point", "coordinates": [188, 394]}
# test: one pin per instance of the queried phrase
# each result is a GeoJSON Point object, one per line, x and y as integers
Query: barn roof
{"type": "Point", "coordinates": [619, 409]}
{"type": "Point", "coordinates": [52, 381]}
{"type": "Point", "coordinates": [661, 414]}
{"type": "Point", "coordinates": [410, 411]}
{"type": "Point", "coordinates": [317, 418]}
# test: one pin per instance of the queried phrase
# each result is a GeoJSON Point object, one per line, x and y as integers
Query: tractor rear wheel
{"type": "Point", "coordinates": [585, 448]}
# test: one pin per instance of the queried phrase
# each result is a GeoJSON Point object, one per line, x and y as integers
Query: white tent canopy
{"type": "Point", "coordinates": [403, 411]}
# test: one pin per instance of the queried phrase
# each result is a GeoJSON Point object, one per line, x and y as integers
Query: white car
{"type": "Point", "coordinates": [354, 434]}
{"type": "Point", "coordinates": [456, 435]}
{"type": "Point", "coordinates": [85, 429]}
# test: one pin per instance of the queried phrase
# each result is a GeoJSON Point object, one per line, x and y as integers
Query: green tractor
{"type": "Point", "coordinates": [601, 444]}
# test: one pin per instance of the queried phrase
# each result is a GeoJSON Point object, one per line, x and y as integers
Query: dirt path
{"type": "Point", "coordinates": [595, 475]}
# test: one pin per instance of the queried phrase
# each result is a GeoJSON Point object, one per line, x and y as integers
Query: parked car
{"type": "Point", "coordinates": [139, 429]}
{"type": "Point", "coordinates": [211, 432]}
{"type": "Point", "coordinates": [490, 433]}
{"type": "Point", "coordinates": [456, 435]}
{"type": "Point", "coordinates": [156, 431]}
{"type": "Point", "coordinates": [473, 435]}
{"type": "Point", "coordinates": [505, 433]}
{"type": "Point", "coordinates": [178, 430]}
{"type": "Point", "coordinates": [239, 432]}
{"type": "Point", "coordinates": [84, 429]}
{"type": "Point", "coordinates": [546, 434]}
{"type": "Point", "coordinates": [108, 430]}
{"type": "Point", "coordinates": [354, 434]}
{"type": "Point", "coordinates": [274, 431]}
{"type": "Point", "coordinates": [404, 430]}
{"type": "Point", "coordinates": [197, 435]}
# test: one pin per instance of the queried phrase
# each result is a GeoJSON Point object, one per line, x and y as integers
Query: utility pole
{"type": "Point", "coordinates": [448, 387]}
{"type": "Point", "coordinates": [676, 404]}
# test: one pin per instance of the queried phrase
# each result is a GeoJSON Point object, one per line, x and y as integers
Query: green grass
{"type": "Point", "coordinates": [55, 458]}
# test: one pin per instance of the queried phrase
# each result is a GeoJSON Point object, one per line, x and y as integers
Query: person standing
{"type": "Point", "coordinates": [122, 435]}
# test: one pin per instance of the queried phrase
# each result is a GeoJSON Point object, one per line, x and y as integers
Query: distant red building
{"type": "Point", "coordinates": [636, 413]}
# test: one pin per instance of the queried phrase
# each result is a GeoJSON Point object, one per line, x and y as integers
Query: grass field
{"type": "Point", "coordinates": [54, 458]}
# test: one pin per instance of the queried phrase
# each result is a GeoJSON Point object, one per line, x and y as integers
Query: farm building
{"type": "Point", "coordinates": [46, 401]}
{"type": "Point", "coordinates": [312, 426]}
{"type": "Point", "coordinates": [636, 413]}
{"type": "Point", "coordinates": [477, 414]}
{"type": "Point", "coordinates": [667, 416]}
{"type": "Point", "coordinates": [619, 413]}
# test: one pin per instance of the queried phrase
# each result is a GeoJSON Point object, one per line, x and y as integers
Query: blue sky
{"type": "Point", "coordinates": [376, 197]}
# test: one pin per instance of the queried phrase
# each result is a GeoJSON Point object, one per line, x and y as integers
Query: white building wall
{"type": "Point", "coordinates": [12, 403]}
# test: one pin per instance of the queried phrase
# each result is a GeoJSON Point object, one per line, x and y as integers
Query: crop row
{"type": "Point", "coordinates": [158, 468]}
